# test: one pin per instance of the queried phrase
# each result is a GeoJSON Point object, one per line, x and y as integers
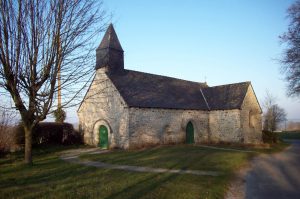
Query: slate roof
{"type": "Point", "coordinates": [146, 90]}
{"type": "Point", "coordinates": [226, 97]}
{"type": "Point", "coordinates": [110, 40]}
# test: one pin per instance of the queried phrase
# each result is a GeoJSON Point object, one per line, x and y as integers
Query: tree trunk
{"type": "Point", "coordinates": [28, 144]}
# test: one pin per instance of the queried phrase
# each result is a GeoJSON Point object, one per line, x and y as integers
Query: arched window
{"type": "Point", "coordinates": [251, 119]}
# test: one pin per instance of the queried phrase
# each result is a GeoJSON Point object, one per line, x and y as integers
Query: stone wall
{"type": "Point", "coordinates": [251, 122]}
{"type": "Point", "coordinates": [225, 126]}
{"type": "Point", "coordinates": [239, 125]}
{"type": "Point", "coordinates": [103, 105]}
{"type": "Point", "coordinates": [139, 127]}
{"type": "Point", "coordinates": [148, 126]}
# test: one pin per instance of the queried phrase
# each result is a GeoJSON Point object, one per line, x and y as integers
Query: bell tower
{"type": "Point", "coordinates": [110, 54]}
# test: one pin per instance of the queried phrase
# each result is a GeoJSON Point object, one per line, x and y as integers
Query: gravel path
{"type": "Point", "coordinates": [275, 176]}
{"type": "Point", "coordinates": [72, 156]}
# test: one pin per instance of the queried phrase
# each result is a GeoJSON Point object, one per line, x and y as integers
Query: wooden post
{"type": "Point", "coordinates": [59, 90]}
{"type": "Point", "coordinates": [59, 77]}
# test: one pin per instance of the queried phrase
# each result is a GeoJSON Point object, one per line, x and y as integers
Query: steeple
{"type": "Point", "coordinates": [110, 54]}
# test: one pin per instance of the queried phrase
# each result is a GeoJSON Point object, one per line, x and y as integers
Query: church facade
{"type": "Point", "coordinates": [130, 109]}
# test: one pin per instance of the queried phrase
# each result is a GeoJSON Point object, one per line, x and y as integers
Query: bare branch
{"type": "Point", "coordinates": [291, 56]}
{"type": "Point", "coordinates": [39, 39]}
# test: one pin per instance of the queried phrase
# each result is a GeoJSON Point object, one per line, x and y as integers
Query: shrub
{"type": "Point", "coordinates": [46, 133]}
{"type": "Point", "coordinates": [60, 115]}
{"type": "Point", "coordinates": [11, 138]}
{"type": "Point", "coordinates": [56, 133]}
{"type": "Point", "coordinates": [5, 139]}
{"type": "Point", "coordinates": [269, 137]}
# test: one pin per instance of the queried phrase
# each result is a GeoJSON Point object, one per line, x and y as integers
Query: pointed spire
{"type": "Point", "coordinates": [110, 39]}
{"type": "Point", "coordinates": [110, 54]}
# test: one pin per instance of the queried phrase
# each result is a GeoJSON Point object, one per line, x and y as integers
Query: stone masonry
{"type": "Point", "coordinates": [139, 127]}
{"type": "Point", "coordinates": [103, 105]}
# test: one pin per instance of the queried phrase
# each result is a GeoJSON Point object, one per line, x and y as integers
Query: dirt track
{"type": "Point", "coordinates": [275, 176]}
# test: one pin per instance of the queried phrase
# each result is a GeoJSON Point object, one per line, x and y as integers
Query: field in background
{"type": "Point", "coordinates": [289, 134]}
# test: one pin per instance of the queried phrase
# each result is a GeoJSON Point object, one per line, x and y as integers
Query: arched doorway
{"type": "Point", "coordinates": [103, 137]}
{"type": "Point", "coordinates": [189, 133]}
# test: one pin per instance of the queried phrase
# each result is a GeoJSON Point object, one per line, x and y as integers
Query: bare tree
{"type": "Point", "coordinates": [291, 56]}
{"type": "Point", "coordinates": [8, 119]}
{"type": "Point", "coordinates": [274, 114]}
{"type": "Point", "coordinates": [39, 38]}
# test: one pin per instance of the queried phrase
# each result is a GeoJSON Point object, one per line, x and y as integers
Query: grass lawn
{"type": "Point", "coordinates": [175, 157]}
{"type": "Point", "coordinates": [51, 177]}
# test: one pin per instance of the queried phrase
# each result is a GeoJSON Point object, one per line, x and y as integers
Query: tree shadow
{"type": "Point", "coordinates": [145, 186]}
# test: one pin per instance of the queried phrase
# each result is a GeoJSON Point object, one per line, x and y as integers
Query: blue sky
{"type": "Point", "coordinates": [220, 41]}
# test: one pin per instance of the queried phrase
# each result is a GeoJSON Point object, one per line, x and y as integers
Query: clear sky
{"type": "Point", "coordinates": [220, 41]}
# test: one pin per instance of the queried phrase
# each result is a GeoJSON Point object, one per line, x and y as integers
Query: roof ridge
{"type": "Point", "coordinates": [248, 82]}
{"type": "Point", "coordinates": [175, 78]}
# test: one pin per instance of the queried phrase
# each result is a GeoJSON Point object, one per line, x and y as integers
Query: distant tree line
{"type": "Point", "coordinates": [273, 115]}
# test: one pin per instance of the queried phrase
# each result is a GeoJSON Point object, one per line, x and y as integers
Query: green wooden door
{"type": "Point", "coordinates": [103, 137]}
{"type": "Point", "coordinates": [189, 133]}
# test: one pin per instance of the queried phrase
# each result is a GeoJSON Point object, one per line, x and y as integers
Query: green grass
{"type": "Point", "coordinates": [51, 177]}
{"type": "Point", "coordinates": [289, 135]}
{"type": "Point", "coordinates": [176, 157]}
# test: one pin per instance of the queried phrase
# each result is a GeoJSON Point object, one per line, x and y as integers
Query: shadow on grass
{"type": "Point", "coordinates": [50, 170]}
{"type": "Point", "coordinates": [141, 188]}
{"type": "Point", "coordinates": [185, 157]}
{"type": "Point", "coordinates": [50, 176]}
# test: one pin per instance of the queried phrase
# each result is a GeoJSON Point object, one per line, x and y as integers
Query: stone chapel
{"type": "Point", "coordinates": [129, 109]}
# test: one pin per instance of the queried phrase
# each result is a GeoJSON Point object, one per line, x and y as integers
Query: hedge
{"type": "Point", "coordinates": [45, 133]}
{"type": "Point", "coordinates": [270, 137]}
